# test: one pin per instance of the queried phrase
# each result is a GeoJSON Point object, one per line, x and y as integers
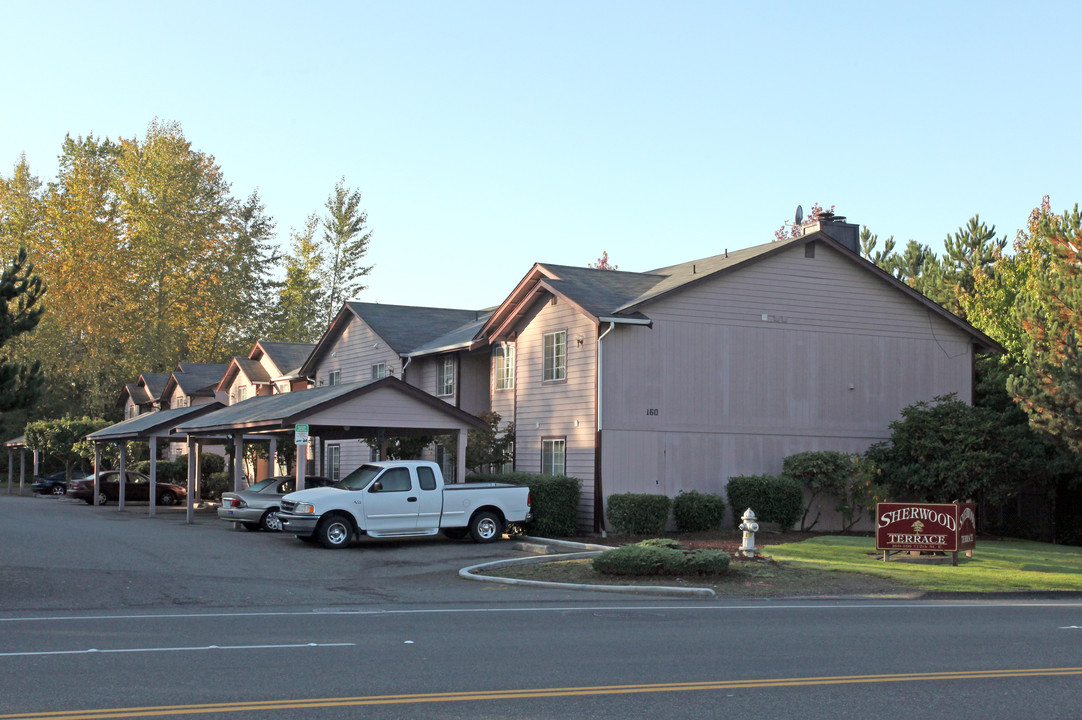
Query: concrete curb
{"type": "Point", "coordinates": [468, 572]}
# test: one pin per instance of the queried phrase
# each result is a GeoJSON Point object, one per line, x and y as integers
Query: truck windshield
{"type": "Point", "coordinates": [359, 478]}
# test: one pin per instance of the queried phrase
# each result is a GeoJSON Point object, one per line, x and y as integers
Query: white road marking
{"type": "Point", "coordinates": [173, 649]}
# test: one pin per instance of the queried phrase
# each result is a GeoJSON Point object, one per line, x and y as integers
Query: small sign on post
{"type": "Point", "coordinates": [929, 527]}
{"type": "Point", "coordinates": [300, 434]}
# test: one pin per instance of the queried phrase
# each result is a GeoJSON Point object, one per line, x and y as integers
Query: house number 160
{"type": "Point", "coordinates": [652, 411]}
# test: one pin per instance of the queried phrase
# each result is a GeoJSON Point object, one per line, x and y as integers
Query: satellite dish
{"type": "Point", "coordinates": [799, 218]}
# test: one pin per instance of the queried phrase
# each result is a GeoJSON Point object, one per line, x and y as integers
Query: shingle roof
{"type": "Point", "coordinates": [460, 337]}
{"type": "Point", "coordinates": [137, 394]}
{"type": "Point", "coordinates": [287, 357]}
{"type": "Point", "coordinates": [154, 383]}
{"type": "Point", "coordinates": [600, 292]}
{"type": "Point", "coordinates": [199, 378]}
{"type": "Point", "coordinates": [253, 369]}
{"type": "Point", "coordinates": [405, 327]}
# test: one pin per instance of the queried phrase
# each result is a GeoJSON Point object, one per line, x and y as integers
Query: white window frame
{"type": "Point", "coordinates": [445, 376]}
{"type": "Point", "coordinates": [242, 393]}
{"type": "Point", "coordinates": [554, 356]}
{"type": "Point", "coordinates": [334, 462]}
{"type": "Point", "coordinates": [554, 456]}
{"type": "Point", "coordinates": [379, 370]}
{"type": "Point", "coordinates": [334, 377]}
{"type": "Point", "coordinates": [503, 356]}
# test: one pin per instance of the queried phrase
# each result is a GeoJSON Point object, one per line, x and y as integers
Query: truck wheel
{"type": "Point", "coordinates": [455, 533]}
{"type": "Point", "coordinates": [334, 532]}
{"type": "Point", "coordinates": [485, 527]}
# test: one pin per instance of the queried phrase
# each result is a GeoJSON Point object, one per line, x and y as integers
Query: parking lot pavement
{"type": "Point", "coordinates": [58, 554]}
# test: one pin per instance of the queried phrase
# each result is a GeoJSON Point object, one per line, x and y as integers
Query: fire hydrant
{"type": "Point", "coordinates": [750, 527]}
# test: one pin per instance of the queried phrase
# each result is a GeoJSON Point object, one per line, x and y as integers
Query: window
{"type": "Point", "coordinates": [379, 370]}
{"type": "Point", "coordinates": [555, 356]}
{"type": "Point", "coordinates": [445, 376]}
{"type": "Point", "coordinates": [509, 466]}
{"type": "Point", "coordinates": [447, 464]}
{"type": "Point", "coordinates": [334, 377]}
{"type": "Point", "coordinates": [503, 357]}
{"type": "Point", "coordinates": [553, 456]}
{"type": "Point", "coordinates": [427, 478]}
{"type": "Point", "coordinates": [281, 387]}
{"type": "Point", "coordinates": [334, 462]}
{"type": "Point", "coordinates": [242, 393]}
{"type": "Point", "coordinates": [395, 480]}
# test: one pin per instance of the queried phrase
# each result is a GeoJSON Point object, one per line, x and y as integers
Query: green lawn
{"type": "Point", "coordinates": [996, 566]}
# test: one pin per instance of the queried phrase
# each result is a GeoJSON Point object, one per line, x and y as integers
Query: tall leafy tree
{"type": "Point", "coordinates": [20, 293]}
{"type": "Point", "coordinates": [1048, 385]}
{"type": "Point", "coordinates": [299, 310]}
{"type": "Point", "coordinates": [345, 243]}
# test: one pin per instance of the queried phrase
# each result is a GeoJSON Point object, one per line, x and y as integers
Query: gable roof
{"type": "Point", "coordinates": [403, 327]}
{"type": "Point", "coordinates": [153, 383]}
{"type": "Point", "coordinates": [197, 379]}
{"type": "Point", "coordinates": [617, 296]}
{"type": "Point", "coordinates": [158, 422]}
{"type": "Point", "coordinates": [286, 356]}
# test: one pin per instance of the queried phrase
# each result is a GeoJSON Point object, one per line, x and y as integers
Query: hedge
{"type": "Point", "coordinates": [638, 513]}
{"type": "Point", "coordinates": [555, 500]}
{"type": "Point", "coordinates": [773, 498]}
{"type": "Point", "coordinates": [697, 512]}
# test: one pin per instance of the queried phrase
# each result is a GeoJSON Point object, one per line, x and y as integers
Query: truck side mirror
{"type": "Point", "coordinates": [376, 486]}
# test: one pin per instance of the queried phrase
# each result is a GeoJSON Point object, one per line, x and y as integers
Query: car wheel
{"type": "Point", "coordinates": [456, 533]}
{"type": "Point", "coordinates": [58, 490]}
{"type": "Point", "coordinates": [167, 498]}
{"type": "Point", "coordinates": [485, 527]}
{"type": "Point", "coordinates": [270, 521]}
{"type": "Point", "coordinates": [251, 527]}
{"type": "Point", "coordinates": [103, 499]}
{"type": "Point", "coordinates": [334, 532]}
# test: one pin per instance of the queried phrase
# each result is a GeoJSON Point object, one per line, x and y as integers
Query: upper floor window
{"type": "Point", "coordinates": [553, 456]}
{"type": "Point", "coordinates": [555, 356]}
{"type": "Point", "coordinates": [445, 376]}
{"type": "Point", "coordinates": [242, 392]}
{"type": "Point", "coordinates": [503, 357]}
{"type": "Point", "coordinates": [379, 370]}
{"type": "Point", "coordinates": [281, 387]}
{"type": "Point", "coordinates": [334, 377]}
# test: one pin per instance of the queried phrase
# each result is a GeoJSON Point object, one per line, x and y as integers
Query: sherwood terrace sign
{"type": "Point", "coordinates": [934, 527]}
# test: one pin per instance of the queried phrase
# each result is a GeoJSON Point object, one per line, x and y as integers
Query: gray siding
{"type": "Point", "coordinates": [473, 381]}
{"type": "Point", "coordinates": [354, 353]}
{"type": "Point", "coordinates": [546, 410]}
{"type": "Point", "coordinates": [713, 390]}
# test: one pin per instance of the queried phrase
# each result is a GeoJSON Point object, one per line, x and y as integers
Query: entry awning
{"type": "Point", "coordinates": [351, 410]}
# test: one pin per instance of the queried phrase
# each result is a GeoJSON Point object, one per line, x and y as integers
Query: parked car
{"type": "Point", "coordinates": [136, 488]}
{"type": "Point", "coordinates": [257, 507]}
{"type": "Point", "coordinates": [55, 484]}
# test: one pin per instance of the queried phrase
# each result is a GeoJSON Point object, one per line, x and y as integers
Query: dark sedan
{"type": "Point", "coordinates": [136, 488]}
{"type": "Point", "coordinates": [55, 484]}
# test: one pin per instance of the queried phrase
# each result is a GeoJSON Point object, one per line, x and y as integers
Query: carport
{"type": "Point", "coordinates": [148, 427]}
{"type": "Point", "coordinates": [19, 444]}
{"type": "Point", "coordinates": [370, 410]}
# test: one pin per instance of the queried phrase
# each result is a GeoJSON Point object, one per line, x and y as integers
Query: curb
{"type": "Point", "coordinates": [542, 546]}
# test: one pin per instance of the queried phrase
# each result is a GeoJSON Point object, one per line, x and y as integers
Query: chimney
{"type": "Point", "coordinates": [835, 227]}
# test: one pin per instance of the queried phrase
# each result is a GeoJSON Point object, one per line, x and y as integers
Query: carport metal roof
{"type": "Point", "coordinates": [158, 423]}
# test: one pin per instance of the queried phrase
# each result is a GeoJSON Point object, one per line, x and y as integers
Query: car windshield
{"type": "Point", "coordinates": [359, 478]}
{"type": "Point", "coordinates": [263, 484]}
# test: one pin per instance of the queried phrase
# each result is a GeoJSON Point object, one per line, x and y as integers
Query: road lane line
{"type": "Point", "coordinates": [463, 696]}
{"type": "Point", "coordinates": [171, 649]}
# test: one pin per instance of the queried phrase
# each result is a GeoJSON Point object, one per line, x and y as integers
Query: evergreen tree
{"type": "Point", "coordinates": [20, 291]}
{"type": "Point", "coordinates": [299, 311]}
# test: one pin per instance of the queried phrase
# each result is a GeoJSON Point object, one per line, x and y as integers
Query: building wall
{"type": "Point", "coordinates": [354, 353]}
{"type": "Point", "coordinates": [556, 409]}
{"type": "Point", "coordinates": [714, 390]}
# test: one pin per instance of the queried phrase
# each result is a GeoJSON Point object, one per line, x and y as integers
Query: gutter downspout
{"type": "Point", "coordinates": [599, 512]}
{"type": "Point", "coordinates": [409, 359]}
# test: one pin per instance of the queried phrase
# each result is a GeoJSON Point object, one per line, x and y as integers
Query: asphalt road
{"type": "Point", "coordinates": [105, 611]}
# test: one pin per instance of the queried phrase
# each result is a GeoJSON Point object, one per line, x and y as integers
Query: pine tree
{"type": "Point", "coordinates": [20, 290]}
{"type": "Point", "coordinates": [345, 241]}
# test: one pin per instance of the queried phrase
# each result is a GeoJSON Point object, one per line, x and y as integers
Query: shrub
{"type": "Point", "coordinates": [661, 556]}
{"type": "Point", "coordinates": [773, 498]}
{"type": "Point", "coordinates": [210, 464]}
{"type": "Point", "coordinates": [695, 512]}
{"type": "Point", "coordinates": [825, 472]}
{"type": "Point", "coordinates": [555, 500]}
{"type": "Point", "coordinates": [638, 513]}
{"type": "Point", "coordinates": [213, 485]}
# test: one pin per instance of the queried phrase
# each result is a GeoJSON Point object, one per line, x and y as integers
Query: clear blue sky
{"type": "Point", "coordinates": [486, 136]}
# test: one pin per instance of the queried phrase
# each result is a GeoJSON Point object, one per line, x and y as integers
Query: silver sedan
{"type": "Point", "coordinates": [257, 507]}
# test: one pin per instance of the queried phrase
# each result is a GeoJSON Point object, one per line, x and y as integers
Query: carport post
{"type": "Point", "coordinates": [272, 455]}
{"type": "Point", "coordinates": [192, 451]}
{"type": "Point", "coordinates": [460, 458]}
{"type": "Point", "coordinates": [97, 470]}
{"type": "Point", "coordinates": [35, 463]}
{"type": "Point", "coordinates": [122, 479]}
{"type": "Point", "coordinates": [153, 476]}
{"type": "Point", "coordinates": [22, 470]}
{"type": "Point", "coordinates": [11, 469]}
{"type": "Point", "coordinates": [238, 461]}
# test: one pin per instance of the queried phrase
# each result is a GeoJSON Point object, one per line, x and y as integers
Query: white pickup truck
{"type": "Point", "coordinates": [402, 498]}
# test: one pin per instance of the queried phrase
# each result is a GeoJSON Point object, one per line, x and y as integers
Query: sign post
{"type": "Point", "coordinates": [300, 438]}
{"type": "Point", "coordinates": [928, 527]}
